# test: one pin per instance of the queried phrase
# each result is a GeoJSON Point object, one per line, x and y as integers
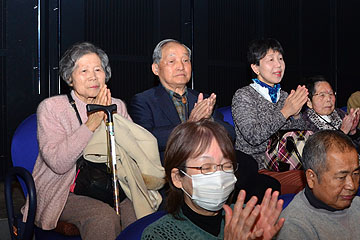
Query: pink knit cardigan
{"type": "Point", "coordinates": [61, 142]}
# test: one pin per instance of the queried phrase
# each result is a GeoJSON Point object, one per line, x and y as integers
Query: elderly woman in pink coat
{"type": "Point", "coordinates": [62, 138]}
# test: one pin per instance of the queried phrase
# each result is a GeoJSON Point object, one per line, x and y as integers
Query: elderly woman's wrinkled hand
{"type": "Point", "coordinates": [346, 124]}
{"type": "Point", "coordinates": [95, 119]}
{"type": "Point", "coordinates": [350, 122]}
{"type": "Point", "coordinates": [253, 222]}
{"type": "Point", "coordinates": [295, 101]}
{"type": "Point", "coordinates": [355, 113]}
{"type": "Point", "coordinates": [356, 120]}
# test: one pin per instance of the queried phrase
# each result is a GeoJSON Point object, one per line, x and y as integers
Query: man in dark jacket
{"type": "Point", "coordinates": [160, 109]}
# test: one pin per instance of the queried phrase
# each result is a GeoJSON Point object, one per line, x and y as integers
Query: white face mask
{"type": "Point", "coordinates": [210, 191]}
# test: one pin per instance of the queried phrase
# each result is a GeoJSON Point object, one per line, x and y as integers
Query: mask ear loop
{"type": "Point", "coordinates": [183, 188]}
{"type": "Point", "coordinates": [186, 193]}
{"type": "Point", "coordinates": [186, 174]}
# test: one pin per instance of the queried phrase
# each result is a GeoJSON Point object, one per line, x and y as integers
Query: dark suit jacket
{"type": "Point", "coordinates": [154, 110]}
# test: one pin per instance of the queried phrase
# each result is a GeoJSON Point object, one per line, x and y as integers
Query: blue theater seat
{"type": "Point", "coordinates": [135, 230]}
{"type": "Point", "coordinates": [24, 151]}
{"type": "Point", "coordinates": [226, 112]}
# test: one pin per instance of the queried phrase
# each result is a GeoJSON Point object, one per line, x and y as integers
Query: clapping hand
{"type": "Point", "coordinates": [355, 123]}
{"type": "Point", "coordinates": [294, 102]}
{"type": "Point", "coordinates": [253, 222]}
{"type": "Point", "coordinates": [203, 108]}
{"type": "Point", "coordinates": [350, 121]}
{"type": "Point", "coordinates": [270, 210]}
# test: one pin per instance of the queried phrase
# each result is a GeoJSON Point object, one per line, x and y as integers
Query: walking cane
{"type": "Point", "coordinates": [110, 146]}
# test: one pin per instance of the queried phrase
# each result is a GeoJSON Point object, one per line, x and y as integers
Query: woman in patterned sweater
{"type": "Point", "coordinates": [261, 109]}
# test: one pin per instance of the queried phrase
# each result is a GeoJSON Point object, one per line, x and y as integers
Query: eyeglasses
{"type": "Point", "coordinates": [324, 94]}
{"type": "Point", "coordinates": [210, 168]}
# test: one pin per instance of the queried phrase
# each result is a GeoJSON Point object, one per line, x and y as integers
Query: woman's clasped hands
{"type": "Point", "coordinates": [103, 98]}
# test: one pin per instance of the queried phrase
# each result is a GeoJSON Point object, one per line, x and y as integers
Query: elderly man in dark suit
{"type": "Point", "coordinates": [160, 109]}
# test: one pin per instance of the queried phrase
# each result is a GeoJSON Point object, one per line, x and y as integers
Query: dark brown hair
{"type": "Point", "coordinates": [190, 140]}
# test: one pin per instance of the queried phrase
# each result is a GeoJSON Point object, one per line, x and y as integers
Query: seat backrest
{"type": "Point", "coordinates": [25, 147]}
{"type": "Point", "coordinates": [226, 112]}
{"type": "Point", "coordinates": [24, 152]}
{"type": "Point", "coordinates": [135, 230]}
{"type": "Point", "coordinates": [287, 198]}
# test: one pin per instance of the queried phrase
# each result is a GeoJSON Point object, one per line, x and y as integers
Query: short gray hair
{"type": "Point", "coordinates": [67, 63]}
{"type": "Point", "coordinates": [160, 45]}
{"type": "Point", "coordinates": [319, 144]}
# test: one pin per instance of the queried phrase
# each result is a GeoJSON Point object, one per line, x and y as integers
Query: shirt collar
{"type": "Point", "coordinates": [270, 93]}
{"type": "Point", "coordinates": [180, 98]}
{"type": "Point", "coordinates": [172, 93]}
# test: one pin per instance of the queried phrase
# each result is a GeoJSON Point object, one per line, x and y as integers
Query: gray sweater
{"type": "Point", "coordinates": [303, 221]}
{"type": "Point", "coordinates": [256, 119]}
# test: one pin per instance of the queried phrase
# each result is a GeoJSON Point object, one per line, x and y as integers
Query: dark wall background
{"type": "Point", "coordinates": [319, 37]}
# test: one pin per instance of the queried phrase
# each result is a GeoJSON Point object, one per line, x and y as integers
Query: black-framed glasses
{"type": "Point", "coordinates": [210, 168]}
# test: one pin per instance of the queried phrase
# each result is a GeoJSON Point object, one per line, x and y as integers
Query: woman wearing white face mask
{"type": "Point", "coordinates": [199, 164]}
